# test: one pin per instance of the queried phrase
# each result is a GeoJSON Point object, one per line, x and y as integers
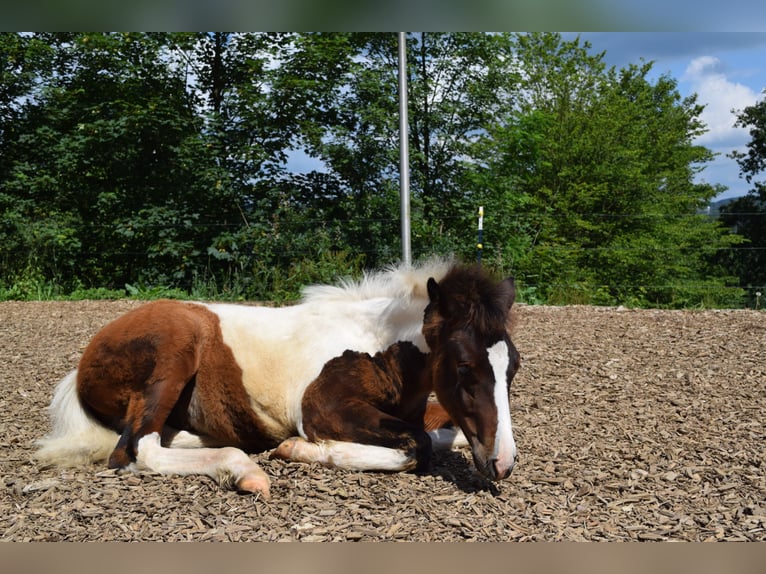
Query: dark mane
{"type": "Point", "coordinates": [470, 297]}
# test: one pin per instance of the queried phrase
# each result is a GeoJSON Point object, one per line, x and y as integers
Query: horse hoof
{"type": "Point", "coordinates": [119, 459]}
{"type": "Point", "coordinates": [285, 449]}
{"type": "Point", "coordinates": [256, 484]}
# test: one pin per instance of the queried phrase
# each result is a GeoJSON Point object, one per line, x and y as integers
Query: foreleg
{"type": "Point", "coordinates": [443, 432]}
{"type": "Point", "coordinates": [359, 437]}
{"type": "Point", "coordinates": [348, 455]}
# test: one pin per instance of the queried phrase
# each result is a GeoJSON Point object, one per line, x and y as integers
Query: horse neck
{"type": "Point", "coordinates": [402, 320]}
{"type": "Point", "coordinates": [392, 300]}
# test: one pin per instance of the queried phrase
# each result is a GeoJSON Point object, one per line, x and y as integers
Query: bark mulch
{"type": "Point", "coordinates": [632, 425]}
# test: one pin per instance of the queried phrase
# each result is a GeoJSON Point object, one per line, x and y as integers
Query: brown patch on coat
{"type": "Point", "coordinates": [166, 362]}
{"type": "Point", "coordinates": [372, 399]}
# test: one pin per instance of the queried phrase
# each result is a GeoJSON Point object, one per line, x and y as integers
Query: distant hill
{"type": "Point", "coordinates": [714, 209]}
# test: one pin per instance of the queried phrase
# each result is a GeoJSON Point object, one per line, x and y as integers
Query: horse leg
{"type": "Point", "coordinates": [228, 466]}
{"type": "Point", "coordinates": [142, 418]}
{"type": "Point", "coordinates": [188, 453]}
{"type": "Point", "coordinates": [342, 454]}
{"type": "Point", "coordinates": [359, 437]}
{"type": "Point", "coordinates": [444, 434]}
{"type": "Point", "coordinates": [436, 416]}
{"type": "Point", "coordinates": [148, 408]}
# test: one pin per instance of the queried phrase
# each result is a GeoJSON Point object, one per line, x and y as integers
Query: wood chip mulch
{"type": "Point", "coordinates": [632, 425]}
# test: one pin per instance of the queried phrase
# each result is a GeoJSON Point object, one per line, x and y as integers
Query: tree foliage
{"type": "Point", "coordinates": [601, 164]}
{"type": "Point", "coordinates": [747, 215]}
{"type": "Point", "coordinates": [163, 159]}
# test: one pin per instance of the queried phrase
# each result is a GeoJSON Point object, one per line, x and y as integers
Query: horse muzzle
{"type": "Point", "coordinates": [495, 469]}
{"type": "Point", "coordinates": [499, 465]}
{"type": "Point", "coordinates": [500, 471]}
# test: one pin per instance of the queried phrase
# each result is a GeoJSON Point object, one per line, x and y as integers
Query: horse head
{"type": "Point", "coordinates": [466, 326]}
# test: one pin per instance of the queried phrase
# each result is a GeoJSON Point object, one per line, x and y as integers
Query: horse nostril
{"type": "Point", "coordinates": [500, 473]}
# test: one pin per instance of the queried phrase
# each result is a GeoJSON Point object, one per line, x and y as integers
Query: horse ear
{"type": "Point", "coordinates": [433, 290]}
{"type": "Point", "coordinates": [507, 291]}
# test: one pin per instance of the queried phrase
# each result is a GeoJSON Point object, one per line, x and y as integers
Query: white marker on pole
{"type": "Point", "coordinates": [480, 244]}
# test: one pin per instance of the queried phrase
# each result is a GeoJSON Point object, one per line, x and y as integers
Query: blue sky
{"type": "Point", "coordinates": [727, 70]}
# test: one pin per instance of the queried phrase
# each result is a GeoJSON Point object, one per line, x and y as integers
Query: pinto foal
{"type": "Point", "coordinates": [190, 388]}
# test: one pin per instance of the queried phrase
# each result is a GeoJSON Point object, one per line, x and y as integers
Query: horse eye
{"type": "Point", "coordinates": [463, 370]}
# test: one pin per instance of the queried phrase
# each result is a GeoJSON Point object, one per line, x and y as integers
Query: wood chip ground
{"type": "Point", "coordinates": [632, 425]}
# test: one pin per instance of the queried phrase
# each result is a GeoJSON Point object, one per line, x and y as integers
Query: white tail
{"type": "Point", "coordinates": [76, 438]}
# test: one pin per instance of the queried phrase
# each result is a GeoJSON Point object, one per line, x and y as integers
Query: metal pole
{"type": "Point", "coordinates": [404, 165]}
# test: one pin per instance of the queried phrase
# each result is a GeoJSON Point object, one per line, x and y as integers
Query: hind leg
{"type": "Point", "coordinates": [228, 466]}
{"type": "Point", "coordinates": [148, 411]}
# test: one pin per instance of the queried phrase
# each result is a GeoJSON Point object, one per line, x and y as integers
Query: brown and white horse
{"type": "Point", "coordinates": [189, 388]}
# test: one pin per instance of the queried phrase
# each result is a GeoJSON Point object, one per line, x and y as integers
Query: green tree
{"type": "Point", "coordinates": [139, 158]}
{"type": "Point", "coordinates": [747, 215]}
{"type": "Point", "coordinates": [753, 162]}
{"type": "Point", "coordinates": [601, 162]}
{"type": "Point", "coordinates": [452, 81]}
{"type": "Point", "coordinates": [160, 159]}
{"type": "Point", "coordinates": [100, 155]}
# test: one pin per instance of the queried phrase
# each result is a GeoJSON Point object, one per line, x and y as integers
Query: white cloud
{"type": "Point", "coordinates": [720, 95]}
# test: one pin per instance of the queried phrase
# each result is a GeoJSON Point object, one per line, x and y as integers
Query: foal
{"type": "Point", "coordinates": [192, 388]}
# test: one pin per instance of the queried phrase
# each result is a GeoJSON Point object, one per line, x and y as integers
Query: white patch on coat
{"type": "Point", "coordinates": [351, 455]}
{"type": "Point", "coordinates": [282, 350]}
{"type": "Point", "coordinates": [447, 438]}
